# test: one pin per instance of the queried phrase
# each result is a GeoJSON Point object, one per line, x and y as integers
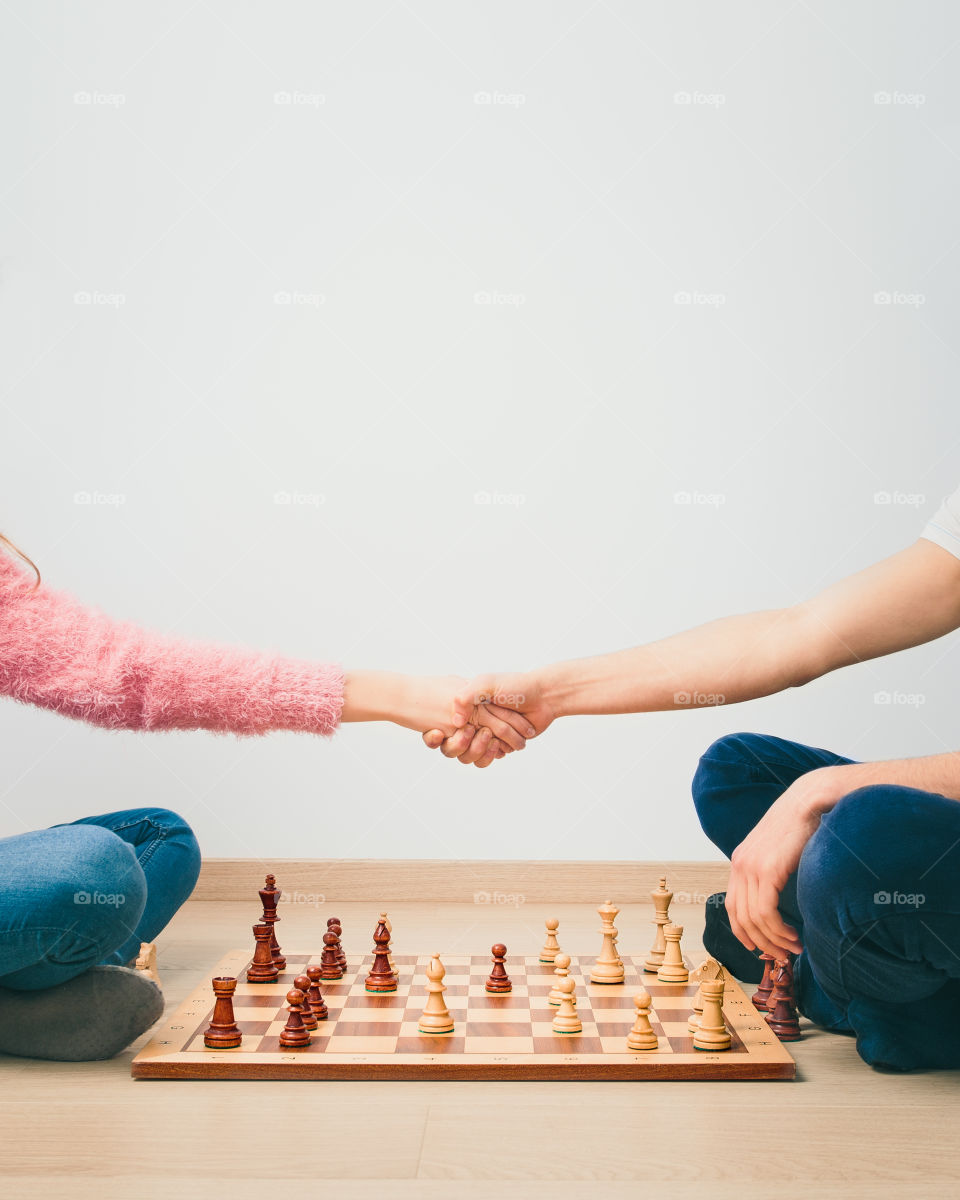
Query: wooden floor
{"type": "Point", "coordinates": [87, 1130]}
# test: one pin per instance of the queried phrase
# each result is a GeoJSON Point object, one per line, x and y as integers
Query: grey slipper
{"type": "Point", "coordinates": [90, 1017]}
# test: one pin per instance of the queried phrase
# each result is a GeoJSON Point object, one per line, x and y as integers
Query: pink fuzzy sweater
{"type": "Point", "coordinates": [58, 654]}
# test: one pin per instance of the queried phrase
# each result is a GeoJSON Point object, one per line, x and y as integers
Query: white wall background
{"type": "Point", "coordinates": [385, 189]}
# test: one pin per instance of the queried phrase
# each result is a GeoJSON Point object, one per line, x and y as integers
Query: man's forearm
{"type": "Point", "coordinates": [939, 773]}
{"type": "Point", "coordinates": [723, 662]}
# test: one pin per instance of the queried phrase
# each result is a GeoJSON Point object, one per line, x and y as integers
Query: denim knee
{"type": "Point", "coordinates": [177, 832]}
{"type": "Point", "coordinates": [97, 883]}
{"type": "Point", "coordinates": [729, 760]}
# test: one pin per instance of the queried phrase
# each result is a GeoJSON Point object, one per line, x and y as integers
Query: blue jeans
{"type": "Point", "coordinates": [77, 895]}
{"type": "Point", "coordinates": [876, 898]}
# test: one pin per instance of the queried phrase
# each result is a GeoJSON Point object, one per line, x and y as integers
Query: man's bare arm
{"type": "Point", "coordinates": [905, 600]}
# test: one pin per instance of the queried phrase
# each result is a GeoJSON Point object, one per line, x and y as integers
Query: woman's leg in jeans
{"type": "Point", "coordinates": [78, 895]}
{"type": "Point", "coordinates": [169, 856]}
{"type": "Point", "coordinates": [68, 897]}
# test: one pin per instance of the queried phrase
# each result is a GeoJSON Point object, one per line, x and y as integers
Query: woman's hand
{"type": "Point", "coordinates": [770, 853]}
{"type": "Point", "coordinates": [425, 702]}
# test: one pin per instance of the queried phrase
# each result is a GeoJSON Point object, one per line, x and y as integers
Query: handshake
{"type": "Point", "coordinates": [487, 718]}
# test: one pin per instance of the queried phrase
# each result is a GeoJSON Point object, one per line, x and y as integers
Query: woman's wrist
{"type": "Point", "coordinates": [373, 696]}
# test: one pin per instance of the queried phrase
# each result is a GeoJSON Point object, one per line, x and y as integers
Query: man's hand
{"type": "Point", "coordinates": [489, 702]}
{"type": "Point", "coordinates": [770, 853]}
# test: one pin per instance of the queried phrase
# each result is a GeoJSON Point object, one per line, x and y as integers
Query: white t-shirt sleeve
{"type": "Point", "coordinates": [944, 526]}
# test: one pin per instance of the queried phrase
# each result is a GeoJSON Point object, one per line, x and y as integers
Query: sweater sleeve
{"type": "Point", "coordinates": [59, 654]}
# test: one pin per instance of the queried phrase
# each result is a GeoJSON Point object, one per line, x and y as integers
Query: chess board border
{"type": "Point", "coordinates": [762, 1056]}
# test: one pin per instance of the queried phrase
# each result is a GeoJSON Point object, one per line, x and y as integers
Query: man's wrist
{"type": "Point", "coordinates": [559, 688]}
{"type": "Point", "coordinates": [830, 784]}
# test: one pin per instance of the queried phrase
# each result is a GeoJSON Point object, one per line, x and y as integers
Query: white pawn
{"type": "Point", "coordinates": [567, 1019]}
{"type": "Point", "coordinates": [551, 947]}
{"type": "Point", "coordinates": [672, 969]}
{"type": "Point", "coordinates": [436, 1016]}
{"type": "Point", "coordinates": [641, 1036]}
{"type": "Point", "coordinates": [561, 968]}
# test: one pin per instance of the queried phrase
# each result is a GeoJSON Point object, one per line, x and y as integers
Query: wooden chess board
{"type": "Point", "coordinates": [368, 1036]}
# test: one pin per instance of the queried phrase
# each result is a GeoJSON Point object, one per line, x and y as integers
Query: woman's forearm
{"type": "Point", "coordinates": [723, 662]}
{"type": "Point", "coordinates": [372, 696]}
{"type": "Point", "coordinates": [59, 654]}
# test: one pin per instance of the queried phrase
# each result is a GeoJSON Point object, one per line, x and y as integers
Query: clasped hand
{"type": "Point", "coordinates": [492, 717]}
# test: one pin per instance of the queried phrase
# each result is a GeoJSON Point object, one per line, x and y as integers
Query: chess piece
{"type": "Point", "coordinates": [294, 1036]}
{"type": "Point", "coordinates": [551, 947]}
{"type": "Point", "coordinates": [147, 961]}
{"type": "Point", "coordinates": [302, 983]}
{"type": "Point", "coordinates": [609, 966]}
{"type": "Point", "coordinates": [389, 925]}
{"type": "Point", "coordinates": [711, 1033]}
{"type": "Point", "coordinates": [782, 1016]}
{"type": "Point", "coordinates": [270, 894]}
{"type": "Point", "coordinates": [320, 1010]}
{"type": "Point", "coordinates": [498, 980]}
{"type": "Point", "coordinates": [223, 1032]}
{"type": "Point", "coordinates": [761, 997]}
{"type": "Point", "coordinates": [661, 907]}
{"type": "Point", "coordinates": [641, 1036]}
{"type": "Point", "coordinates": [336, 927]}
{"type": "Point", "coordinates": [561, 968]}
{"type": "Point", "coordinates": [381, 977]}
{"type": "Point", "coordinates": [435, 1018]}
{"type": "Point", "coordinates": [329, 966]}
{"type": "Point", "coordinates": [709, 969]}
{"type": "Point", "coordinates": [262, 969]}
{"type": "Point", "coordinates": [567, 1019]}
{"type": "Point", "coordinates": [673, 969]}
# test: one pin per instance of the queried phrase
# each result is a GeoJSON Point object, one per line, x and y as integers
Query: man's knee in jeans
{"type": "Point", "coordinates": [726, 763]}
{"type": "Point", "coordinates": [875, 839]}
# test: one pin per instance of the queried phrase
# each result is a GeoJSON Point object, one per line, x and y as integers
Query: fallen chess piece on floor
{"type": "Point", "coordinates": [146, 961]}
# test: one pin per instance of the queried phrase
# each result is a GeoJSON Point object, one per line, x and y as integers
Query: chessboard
{"type": "Point", "coordinates": [509, 1036]}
